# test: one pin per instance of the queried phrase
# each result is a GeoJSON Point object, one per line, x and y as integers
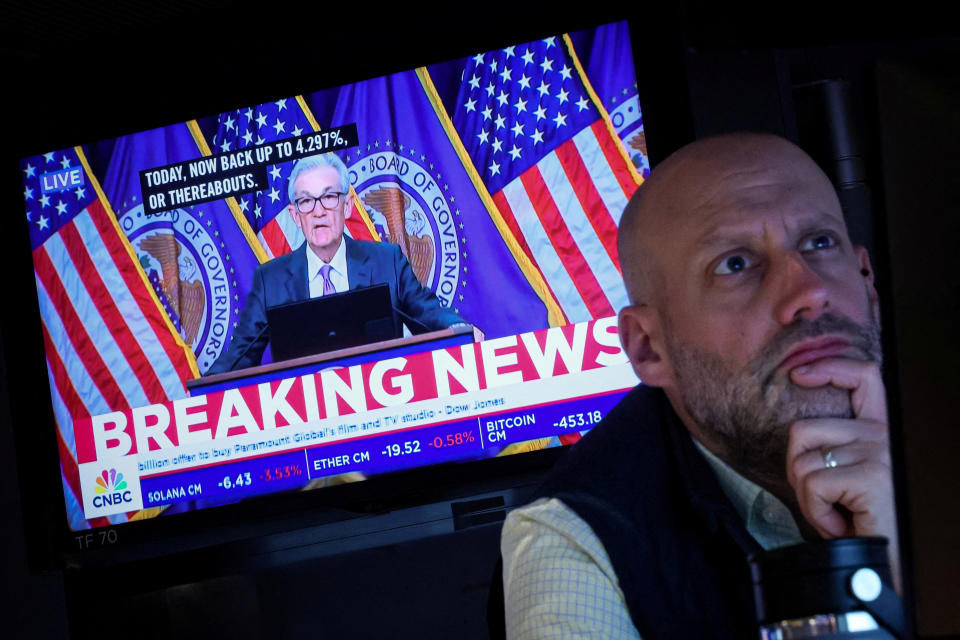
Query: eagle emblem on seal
{"type": "Point", "coordinates": [405, 226]}
{"type": "Point", "coordinates": [186, 297]}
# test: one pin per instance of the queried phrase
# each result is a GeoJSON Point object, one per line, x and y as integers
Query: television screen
{"type": "Point", "coordinates": [497, 180]}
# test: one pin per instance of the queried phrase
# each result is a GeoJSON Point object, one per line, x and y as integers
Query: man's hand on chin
{"type": "Point", "coordinates": [837, 462]}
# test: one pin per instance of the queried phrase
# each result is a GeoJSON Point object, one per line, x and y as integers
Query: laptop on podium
{"type": "Point", "coordinates": [331, 322]}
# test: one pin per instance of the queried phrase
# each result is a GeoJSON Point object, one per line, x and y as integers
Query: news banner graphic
{"type": "Point", "coordinates": [233, 173]}
{"type": "Point", "coordinates": [457, 403]}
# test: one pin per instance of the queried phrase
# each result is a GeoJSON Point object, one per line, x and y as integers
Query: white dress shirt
{"type": "Point", "coordinates": [338, 271]}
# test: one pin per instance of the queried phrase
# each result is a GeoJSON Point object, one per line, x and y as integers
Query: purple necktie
{"type": "Point", "coordinates": [328, 287]}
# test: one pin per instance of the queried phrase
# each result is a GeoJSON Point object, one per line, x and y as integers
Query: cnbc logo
{"type": "Point", "coordinates": [110, 489]}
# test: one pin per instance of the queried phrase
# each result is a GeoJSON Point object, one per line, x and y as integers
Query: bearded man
{"type": "Point", "coordinates": [760, 421]}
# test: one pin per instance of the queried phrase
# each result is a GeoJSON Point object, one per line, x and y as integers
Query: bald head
{"type": "Point", "coordinates": [684, 191]}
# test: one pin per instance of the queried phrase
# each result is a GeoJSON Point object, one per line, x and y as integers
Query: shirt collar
{"type": "Point", "coordinates": [765, 516]}
{"type": "Point", "coordinates": [338, 263]}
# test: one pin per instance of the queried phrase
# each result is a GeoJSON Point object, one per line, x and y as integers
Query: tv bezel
{"type": "Point", "coordinates": [50, 542]}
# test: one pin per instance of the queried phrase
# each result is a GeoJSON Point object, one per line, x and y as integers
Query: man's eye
{"type": "Point", "coordinates": [732, 264]}
{"type": "Point", "coordinates": [819, 242]}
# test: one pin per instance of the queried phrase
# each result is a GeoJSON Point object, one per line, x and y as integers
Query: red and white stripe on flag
{"type": "Point", "coordinates": [564, 212]}
{"type": "Point", "coordinates": [109, 346]}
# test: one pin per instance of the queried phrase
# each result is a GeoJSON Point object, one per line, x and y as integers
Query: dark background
{"type": "Point", "coordinates": [78, 72]}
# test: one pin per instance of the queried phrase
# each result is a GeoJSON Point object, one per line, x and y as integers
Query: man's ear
{"type": "Point", "coordinates": [863, 258]}
{"type": "Point", "coordinates": [291, 208]}
{"type": "Point", "coordinates": [641, 337]}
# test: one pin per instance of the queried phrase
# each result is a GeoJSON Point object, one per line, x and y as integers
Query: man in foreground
{"type": "Point", "coordinates": [327, 263]}
{"type": "Point", "coordinates": [762, 421]}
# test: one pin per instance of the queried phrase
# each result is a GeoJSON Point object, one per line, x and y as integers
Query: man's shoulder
{"type": "Point", "coordinates": [368, 248]}
{"type": "Point", "coordinates": [628, 428]}
{"type": "Point", "coordinates": [626, 451]}
{"type": "Point", "coordinates": [283, 262]}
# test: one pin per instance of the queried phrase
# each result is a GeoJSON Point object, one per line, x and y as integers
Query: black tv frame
{"type": "Point", "coordinates": [50, 544]}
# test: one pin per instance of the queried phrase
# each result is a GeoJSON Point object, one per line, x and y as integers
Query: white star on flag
{"type": "Point", "coordinates": [555, 164]}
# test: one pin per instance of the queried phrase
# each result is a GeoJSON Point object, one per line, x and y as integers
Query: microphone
{"type": "Point", "coordinates": [411, 320]}
{"type": "Point", "coordinates": [405, 316]}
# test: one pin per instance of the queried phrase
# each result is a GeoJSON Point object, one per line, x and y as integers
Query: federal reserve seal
{"type": "Point", "coordinates": [411, 206]}
{"type": "Point", "coordinates": [188, 266]}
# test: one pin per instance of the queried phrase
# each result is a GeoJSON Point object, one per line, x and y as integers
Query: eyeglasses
{"type": "Point", "coordinates": [327, 201]}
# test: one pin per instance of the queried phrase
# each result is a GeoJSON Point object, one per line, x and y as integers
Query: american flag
{"type": "Point", "coordinates": [554, 166]}
{"type": "Point", "coordinates": [266, 211]}
{"type": "Point", "coordinates": [110, 346]}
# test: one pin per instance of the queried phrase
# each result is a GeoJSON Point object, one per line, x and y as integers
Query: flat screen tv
{"type": "Point", "coordinates": [499, 177]}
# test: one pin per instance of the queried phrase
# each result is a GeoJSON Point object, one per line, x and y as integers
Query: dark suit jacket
{"type": "Point", "coordinates": [284, 280]}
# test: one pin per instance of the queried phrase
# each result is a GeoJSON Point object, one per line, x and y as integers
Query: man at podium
{"type": "Point", "coordinates": [327, 263]}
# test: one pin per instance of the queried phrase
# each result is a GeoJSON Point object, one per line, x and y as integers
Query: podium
{"type": "Point", "coordinates": [444, 338]}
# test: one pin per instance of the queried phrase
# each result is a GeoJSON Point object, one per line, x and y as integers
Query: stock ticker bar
{"type": "Point", "coordinates": [461, 440]}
